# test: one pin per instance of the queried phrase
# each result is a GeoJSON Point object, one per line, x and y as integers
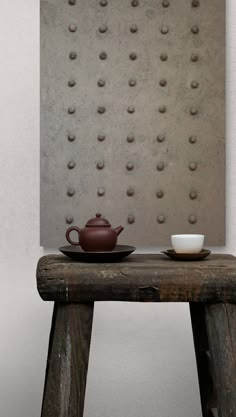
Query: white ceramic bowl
{"type": "Point", "coordinates": [187, 243]}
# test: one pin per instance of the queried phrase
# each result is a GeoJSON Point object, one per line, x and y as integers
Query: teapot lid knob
{"type": "Point", "coordinates": [98, 221]}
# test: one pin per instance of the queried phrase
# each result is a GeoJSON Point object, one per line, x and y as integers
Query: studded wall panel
{"type": "Point", "coordinates": [132, 117]}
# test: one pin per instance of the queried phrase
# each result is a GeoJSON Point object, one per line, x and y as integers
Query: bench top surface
{"type": "Point", "coordinates": [145, 260]}
{"type": "Point", "coordinates": [139, 277]}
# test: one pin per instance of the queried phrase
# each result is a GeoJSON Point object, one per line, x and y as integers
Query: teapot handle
{"type": "Point", "coordinates": [77, 229]}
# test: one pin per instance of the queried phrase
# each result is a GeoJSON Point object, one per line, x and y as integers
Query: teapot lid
{"type": "Point", "coordinates": [98, 221]}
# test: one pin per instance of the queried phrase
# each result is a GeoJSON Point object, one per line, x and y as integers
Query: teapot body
{"type": "Point", "coordinates": [97, 239]}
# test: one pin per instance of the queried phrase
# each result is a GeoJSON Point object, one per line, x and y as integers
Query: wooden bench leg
{"type": "Point", "coordinates": [205, 378]}
{"type": "Point", "coordinates": [67, 364]}
{"type": "Point", "coordinates": [221, 329]}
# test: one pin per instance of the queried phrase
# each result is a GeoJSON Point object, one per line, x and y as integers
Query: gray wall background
{"type": "Point", "coordinates": [142, 361]}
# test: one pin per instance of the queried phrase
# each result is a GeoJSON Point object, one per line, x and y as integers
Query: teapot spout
{"type": "Point", "coordinates": [118, 230]}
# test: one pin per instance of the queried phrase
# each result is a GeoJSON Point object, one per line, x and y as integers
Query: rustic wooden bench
{"type": "Point", "coordinates": [209, 286]}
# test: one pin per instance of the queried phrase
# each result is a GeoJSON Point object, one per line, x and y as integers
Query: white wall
{"type": "Point", "coordinates": [141, 355]}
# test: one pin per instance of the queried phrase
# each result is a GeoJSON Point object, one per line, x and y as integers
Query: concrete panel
{"type": "Point", "coordinates": [133, 118]}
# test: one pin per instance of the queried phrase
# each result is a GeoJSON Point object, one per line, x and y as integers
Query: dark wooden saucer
{"type": "Point", "coordinates": [75, 252]}
{"type": "Point", "coordinates": [187, 256]}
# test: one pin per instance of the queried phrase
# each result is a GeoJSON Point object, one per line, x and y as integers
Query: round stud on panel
{"type": "Point", "coordinates": [69, 219]}
{"type": "Point", "coordinates": [130, 138]}
{"type": "Point", "coordinates": [193, 195]}
{"type": "Point", "coordinates": [71, 83]}
{"type": "Point", "coordinates": [195, 3]}
{"type": "Point", "coordinates": [193, 166]}
{"type": "Point", "coordinates": [133, 28]}
{"type": "Point", "coordinates": [192, 139]}
{"type": "Point", "coordinates": [160, 138]}
{"type": "Point", "coordinates": [71, 165]}
{"type": "Point", "coordinates": [163, 82]}
{"type": "Point", "coordinates": [101, 138]}
{"type": "Point", "coordinates": [160, 194]}
{"type": "Point", "coordinates": [163, 57]}
{"type": "Point", "coordinates": [101, 191]}
{"type": "Point", "coordinates": [70, 192]}
{"type": "Point", "coordinates": [71, 138]}
{"type": "Point", "coordinates": [162, 109]}
{"type": "Point", "coordinates": [103, 56]}
{"type": "Point", "coordinates": [164, 30]}
{"type": "Point", "coordinates": [101, 82]}
{"type": "Point", "coordinates": [194, 84]}
{"type": "Point", "coordinates": [195, 29]}
{"type": "Point", "coordinates": [103, 28]}
{"type": "Point", "coordinates": [130, 191]}
{"type": "Point", "coordinates": [103, 3]}
{"type": "Point", "coordinates": [160, 166]}
{"type": "Point", "coordinates": [71, 110]}
{"type": "Point", "coordinates": [133, 56]}
{"type": "Point", "coordinates": [193, 111]}
{"type": "Point", "coordinates": [72, 2]}
{"type": "Point", "coordinates": [73, 55]}
{"type": "Point", "coordinates": [131, 109]}
{"type": "Point", "coordinates": [72, 27]}
{"type": "Point", "coordinates": [129, 166]}
{"type": "Point", "coordinates": [194, 57]}
{"type": "Point", "coordinates": [161, 219]}
{"type": "Point", "coordinates": [100, 165]}
{"type": "Point", "coordinates": [132, 83]}
{"type": "Point", "coordinates": [101, 109]}
{"type": "Point", "coordinates": [192, 219]}
{"type": "Point", "coordinates": [165, 3]}
{"type": "Point", "coordinates": [134, 3]}
{"type": "Point", "coordinates": [131, 219]}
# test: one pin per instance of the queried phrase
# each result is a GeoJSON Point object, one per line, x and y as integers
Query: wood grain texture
{"type": "Point", "coordinates": [67, 360]}
{"type": "Point", "coordinates": [205, 377]}
{"type": "Point", "coordinates": [212, 413]}
{"type": "Point", "coordinates": [221, 329]}
{"type": "Point", "coordinates": [138, 278]}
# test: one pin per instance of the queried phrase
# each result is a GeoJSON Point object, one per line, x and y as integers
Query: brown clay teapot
{"type": "Point", "coordinates": [96, 236]}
